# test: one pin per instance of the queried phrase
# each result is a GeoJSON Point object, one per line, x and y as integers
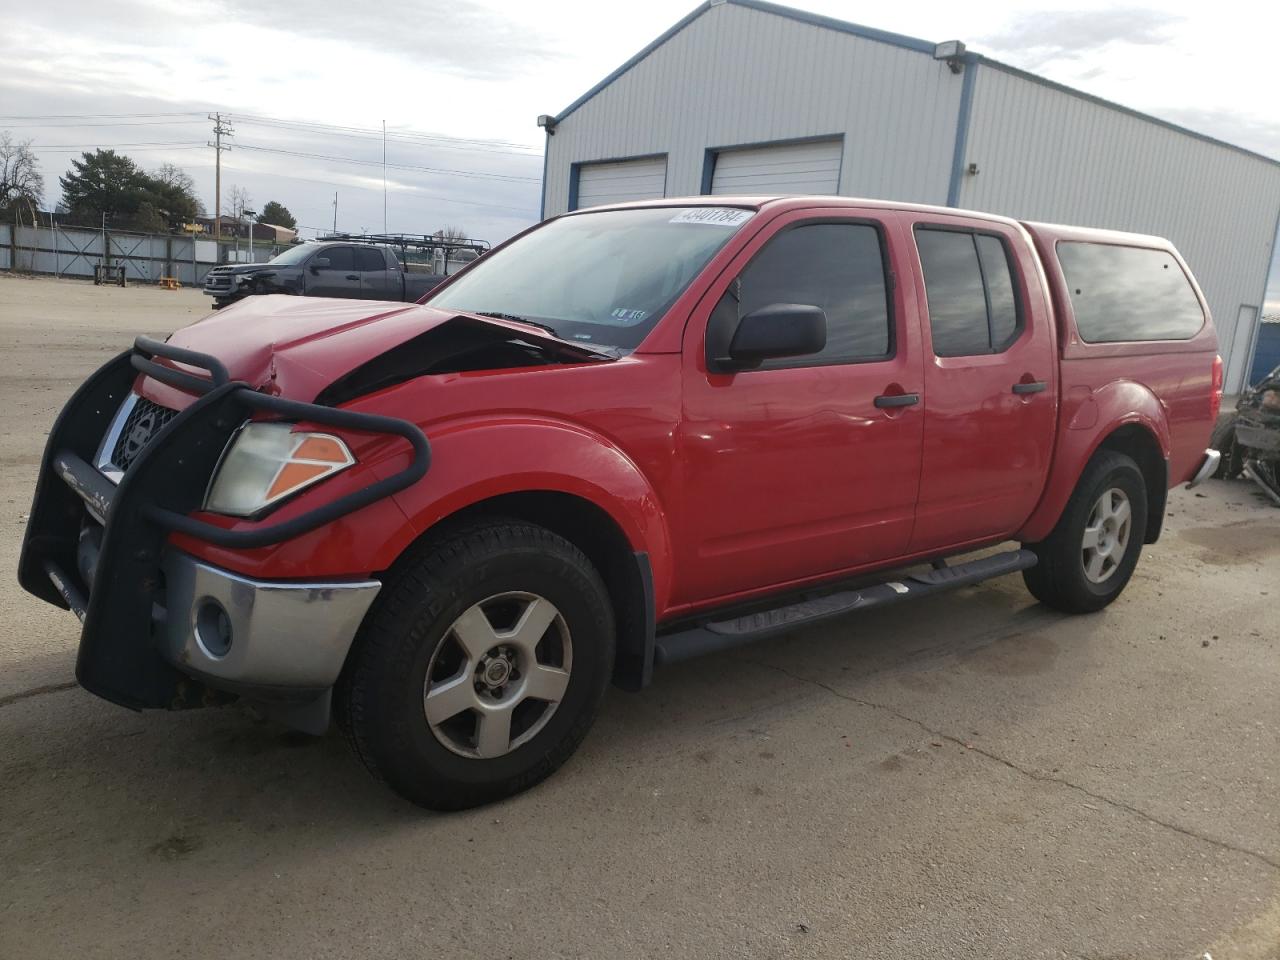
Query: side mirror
{"type": "Point", "coordinates": [778, 330]}
{"type": "Point", "coordinates": [319, 263]}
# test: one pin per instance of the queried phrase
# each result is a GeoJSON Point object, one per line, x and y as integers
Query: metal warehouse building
{"type": "Point", "coordinates": [746, 97]}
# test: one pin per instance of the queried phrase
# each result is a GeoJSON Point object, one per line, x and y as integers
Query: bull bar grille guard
{"type": "Point", "coordinates": [315, 413]}
{"type": "Point", "coordinates": [119, 592]}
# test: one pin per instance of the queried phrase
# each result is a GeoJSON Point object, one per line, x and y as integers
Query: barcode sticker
{"type": "Point", "coordinates": [715, 216]}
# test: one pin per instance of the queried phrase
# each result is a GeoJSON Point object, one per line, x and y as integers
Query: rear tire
{"type": "Point", "coordinates": [481, 666]}
{"type": "Point", "coordinates": [1086, 562]}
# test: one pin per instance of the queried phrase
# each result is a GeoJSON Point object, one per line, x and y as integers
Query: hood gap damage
{"type": "Point", "coordinates": [459, 345]}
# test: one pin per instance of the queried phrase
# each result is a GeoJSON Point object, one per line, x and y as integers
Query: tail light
{"type": "Point", "coordinates": [1215, 397]}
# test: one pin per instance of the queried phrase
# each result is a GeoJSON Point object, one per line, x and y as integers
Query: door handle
{"type": "Point", "coordinates": [897, 400]}
{"type": "Point", "coordinates": [353, 276]}
{"type": "Point", "coordinates": [1039, 386]}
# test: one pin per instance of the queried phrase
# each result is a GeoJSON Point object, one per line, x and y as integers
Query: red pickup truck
{"type": "Point", "coordinates": [627, 436]}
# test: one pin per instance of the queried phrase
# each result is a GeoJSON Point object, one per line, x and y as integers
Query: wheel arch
{"type": "Point", "coordinates": [1136, 441]}
{"type": "Point", "coordinates": [625, 567]}
{"type": "Point", "coordinates": [1125, 417]}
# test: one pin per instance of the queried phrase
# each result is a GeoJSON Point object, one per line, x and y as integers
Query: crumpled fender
{"type": "Point", "coordinates": [477, 459]}
{"type": "Point", "coordinates": [1085, 419]}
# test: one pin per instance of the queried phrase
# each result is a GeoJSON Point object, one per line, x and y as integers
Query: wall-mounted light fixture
{"type": "Point", "coordinates": [951, 51]}
{"type": "Point", "coordinates": [548, 123]}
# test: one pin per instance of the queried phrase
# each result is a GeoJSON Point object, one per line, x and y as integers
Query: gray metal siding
{"type": "Point", "coordinates": [736, 76]}
{"type": "Point", "coordinates": [1044, 154]}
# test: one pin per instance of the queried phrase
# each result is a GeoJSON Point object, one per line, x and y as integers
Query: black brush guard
{"type": "Point", "coordinates": [119, 595]}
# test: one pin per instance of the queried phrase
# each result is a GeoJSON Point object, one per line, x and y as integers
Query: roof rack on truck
{"type": "Point", "coordinates": [412, 241]}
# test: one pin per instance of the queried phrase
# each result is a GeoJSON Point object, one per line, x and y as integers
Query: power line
{"type": "Point", "coordinates": [424, 140]}
{"type": "Point", "coordinates": [413, 193]}
{"type": "Point", "coordinates": [149, 145]}
{"type": "Point", "coordinates": [395, 166]}
{"type": "Point", "coordinates": [279, 123]}
{"type": "Point", "coordinates": [439, 143]}
{"type": "Point", "coordinates": [371, 131]}
{"type": "Point", "coordinates": [101, 123]}
{"type": "Point", "coordinates": [407, 137]}
{"type": "Point", "coordinates": [111, 146]}
{"type": "Point", "coordinates": [92, 116]}
{"type": "Point", "coordinates": [253, 118]}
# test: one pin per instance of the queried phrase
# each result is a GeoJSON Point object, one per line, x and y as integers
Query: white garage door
{"type": "Point", "coordinates": [790, 168]}
{"type": "Point", "coordinates": [600, 183]}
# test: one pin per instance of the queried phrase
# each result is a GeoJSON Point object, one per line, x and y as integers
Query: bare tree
{"type": "Point", "coordinates": [172, 175]}
{"type": "Point", "coordinates": [178, 181]}
{"type": "Point", "coordinates": [20, 179]}
{"type": "Point", "coordinates": [172, 192]}
{"type": "Point", "coordinates": [238, 203]}
{"type": "Point", "coordinates": [450, 233]}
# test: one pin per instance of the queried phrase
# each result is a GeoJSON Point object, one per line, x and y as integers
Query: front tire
{"type": "Point", "coordinates": [481, 666]}
{"type": "Point", "coordinates": [1086, 562]}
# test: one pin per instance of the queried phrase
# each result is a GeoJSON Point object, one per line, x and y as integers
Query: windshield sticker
{"type": "Point", "coordinates": [715, 216]}
{"type": "Point", "coordinates": [629, 316]}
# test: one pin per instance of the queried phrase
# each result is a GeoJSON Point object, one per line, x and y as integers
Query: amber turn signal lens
{"type": "Point", "coordinates": [295, 475]}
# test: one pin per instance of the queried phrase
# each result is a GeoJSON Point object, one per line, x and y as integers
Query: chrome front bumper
{"type": "Point", "coordinates": [265, 639]}
{"type": "Point", "coordinates": [1211, 460]}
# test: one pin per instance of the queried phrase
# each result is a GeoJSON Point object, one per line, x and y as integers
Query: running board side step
{"type": "Point", "coordinates": [715, 636]}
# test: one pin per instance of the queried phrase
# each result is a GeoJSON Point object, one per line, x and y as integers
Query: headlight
{"type": "Point", "coordinates": [266, 462]}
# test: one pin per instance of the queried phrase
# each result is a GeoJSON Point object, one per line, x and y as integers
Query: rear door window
{"type": "Point", "coordinates": [1128, 293]}
{"type": "Point", "coordinates": [369, 260]}
{"type": "Point", "coordinates": [973, 302]}
{"type": "Point", "coordinates": [1002, 302]}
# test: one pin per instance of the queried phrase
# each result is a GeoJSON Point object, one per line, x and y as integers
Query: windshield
{"type": "Point", "coordinates": [602, 278]}
{"type": "Point", "coordinates": [294, 255]}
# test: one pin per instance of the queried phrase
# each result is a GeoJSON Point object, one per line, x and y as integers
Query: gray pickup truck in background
{"type": "Point", "coordinates": [350, 269]}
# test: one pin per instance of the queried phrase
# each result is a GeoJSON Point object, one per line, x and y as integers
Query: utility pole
{"type": "Point", "coordinates": [335, 211]}
{"type": "Point", "coordinates": [384, 176]}
{"type": "Point", "coordinates": [220, 130]}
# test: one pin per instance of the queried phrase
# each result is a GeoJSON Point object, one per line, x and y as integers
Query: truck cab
{"type": "Point", "coordinates": [627, 436]}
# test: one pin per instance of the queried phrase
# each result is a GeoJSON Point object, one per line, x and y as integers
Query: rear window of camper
{"type": "Point", "coordinates": [1123, 293]}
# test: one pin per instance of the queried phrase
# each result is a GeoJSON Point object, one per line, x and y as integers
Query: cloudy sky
{"type": "Point", "coordinates": [459, 84]}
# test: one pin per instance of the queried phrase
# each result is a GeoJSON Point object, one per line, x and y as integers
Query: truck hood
{"type": "Point", "coordinates": [301, 347]}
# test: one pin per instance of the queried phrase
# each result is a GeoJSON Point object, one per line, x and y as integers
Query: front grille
{"type": "Point", "coordinates": [145, 420]}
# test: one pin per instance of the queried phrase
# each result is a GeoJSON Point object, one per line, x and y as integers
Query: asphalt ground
{"type": "Point", "coordinates": [969, 776]}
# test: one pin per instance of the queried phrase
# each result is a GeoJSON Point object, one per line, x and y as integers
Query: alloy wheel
{"type": "Point", "coordinates": [498, 676]}
{"type": "Point", "coordinates": [1106, 535]}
